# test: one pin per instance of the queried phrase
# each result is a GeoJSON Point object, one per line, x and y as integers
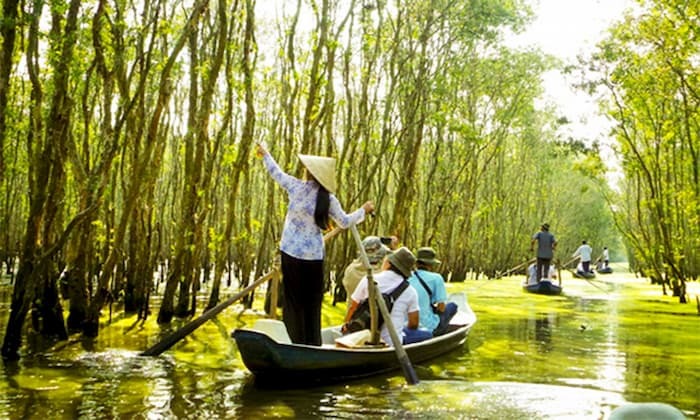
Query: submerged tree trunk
{"type": "Point", "coordinates": [142, 172]}
{"type": "Point", "coordinates": [8, 31]}
{"type": "Point", "coordinates": [241, 165]}
{"type": "Point", "coordinates": [46, 181]}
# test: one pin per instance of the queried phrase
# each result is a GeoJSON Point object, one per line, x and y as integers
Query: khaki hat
{"type": "Point", "coordinates": [375, 249]}
{"type": "Point", "coordinates": [403, 260]}
{"type": "Point", "coordinates": [322, 169]}
{"type": "Point", "coordinates": [426, 255]}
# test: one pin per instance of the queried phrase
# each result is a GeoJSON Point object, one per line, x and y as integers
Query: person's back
{"type": "Point", "coordinates": [428, 318]}
{"type": "Point", "coordinates": [545, 244]}
{"type": "Point", "coordinates": [352, 276]}
{"type": "Point", "coordinates": [532, 274]}
{"type": "Point", "coordinates": [397, 267]}
{"type": "Point", "coordinates": [407, 302]}
{"type": "Point", "coordinates": [435, 311]}
{"type": "Point", "coordinates": [387, 281]}
{"type": "Point", "coordinates": [584, 252]}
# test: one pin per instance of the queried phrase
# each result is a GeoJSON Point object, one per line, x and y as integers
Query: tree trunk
{"type": "Point", "coordinates": [8, 30]}
{"type": "Point", "coordinates": [142, 172]}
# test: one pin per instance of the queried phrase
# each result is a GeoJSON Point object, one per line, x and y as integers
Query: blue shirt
{"type": "Point", "coordinates": [301, 236]}
{"type": "Point", "coordinates": [434, 281]}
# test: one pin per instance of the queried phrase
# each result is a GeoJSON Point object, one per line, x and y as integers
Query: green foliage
{"type": "Point", "coordinates": [648, 68]}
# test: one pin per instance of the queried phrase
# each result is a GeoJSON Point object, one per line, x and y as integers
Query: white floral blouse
{"type": "Point", "coordinates": [301, 237]}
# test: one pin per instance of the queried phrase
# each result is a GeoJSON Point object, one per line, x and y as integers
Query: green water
{"type": "Point", "coordinates": [576, 356]}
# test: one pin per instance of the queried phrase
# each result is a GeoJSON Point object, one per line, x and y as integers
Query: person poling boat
{"type": "Point", "coordinates": [312, 204]}
{"type": "Point", "coordinates": [603, 262]}
{"type": "Point", "coordinates": [584, 253]}
{"type": "Point", "coordinates": [275, 362]}
{"type": "Point", "coordinates": [546, 245]}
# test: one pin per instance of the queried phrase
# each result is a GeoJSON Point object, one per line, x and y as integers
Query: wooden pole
{"type": "Point", "coordinates": [274, 291]}
{"type": "Point", "coordinates": [405, 362]}
{"type": "Point", "coordinates": [185, 330]}
{"type": "Point", "coordinates": [507, 272]}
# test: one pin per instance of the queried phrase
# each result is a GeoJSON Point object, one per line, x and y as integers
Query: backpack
{"type": "Point", "coordinates": [361, 318]}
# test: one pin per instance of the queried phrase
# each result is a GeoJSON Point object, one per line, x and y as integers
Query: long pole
{"type": "Point", "coordinates": [405, 362]}
{"type": "Point", "coordinates": [185, 330]}
{"type": "Point", "coordinates": [521, 265]}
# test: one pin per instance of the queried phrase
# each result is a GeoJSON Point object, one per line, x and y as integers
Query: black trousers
{"type": "Point", "coordinates": [586, 266]}
{"type": "Point", "coordinates": [303, 294]}
{"type": "Point", "coordinates": [543, 268]}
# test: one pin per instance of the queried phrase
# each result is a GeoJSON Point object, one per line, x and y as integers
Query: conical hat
{"type": "Point", "coordinates": [322, 169]}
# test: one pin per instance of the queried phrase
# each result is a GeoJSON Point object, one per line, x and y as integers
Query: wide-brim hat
{"type": "Point", "coordinates": [375, 249]}
{"type": "Point", "coordinates": [426, 255]}
{"type": "Point", "coordinates": [404, 260]}
{"type": "Point", "coordinates": [322, 168]}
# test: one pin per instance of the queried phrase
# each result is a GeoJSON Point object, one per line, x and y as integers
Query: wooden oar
{"type": "Point", "coordinates": [178, 335]}
{"type": "Point", "coordinates": [569, 262]}
{"type": "Point", "coordinates": [185, 330]}
{"type": "Point", "coordinates": [405, 362]}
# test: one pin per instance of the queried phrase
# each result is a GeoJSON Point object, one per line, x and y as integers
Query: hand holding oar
{"type": "Point", "coordinates": [178, 335]}
{"type": "Point", "coordinates": [408, 371]}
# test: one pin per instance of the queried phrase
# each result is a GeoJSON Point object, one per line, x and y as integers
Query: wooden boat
{"type": "Point", "coordinates": [276, 362]}
{"type": "Point", "coordinates": [543, 287]}
{"type": "Point", "coordinates": [583, 274]}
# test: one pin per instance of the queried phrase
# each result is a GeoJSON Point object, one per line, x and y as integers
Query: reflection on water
{"type": "Point", "coordinates": [529, 357]}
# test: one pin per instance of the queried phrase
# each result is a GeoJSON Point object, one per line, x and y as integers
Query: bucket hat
{"type": "Point", "coordinates": [375, 249]}
{"type": "Point", "coordinates": [426, 255]}
{"type": "Point", "coordinates": [404, 260]}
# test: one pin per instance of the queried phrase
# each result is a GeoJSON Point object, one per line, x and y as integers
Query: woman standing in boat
{"type": "Point", "coordinates": [311, 206]}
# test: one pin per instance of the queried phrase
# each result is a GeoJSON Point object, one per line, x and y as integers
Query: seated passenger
{"type": "Point", "coordinates": [376, 251]}
{"type": "Point", "coordinates": [435, 311]}
{"type": "Point", "coordinates": [532, 274]}
{"type": "Point", "coordinates": [404, 314]}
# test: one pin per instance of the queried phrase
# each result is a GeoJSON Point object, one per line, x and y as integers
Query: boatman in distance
{"type": "Point", "coordinates": [585, 252]}
{"type": "Point", "coordinates": [546, 244]}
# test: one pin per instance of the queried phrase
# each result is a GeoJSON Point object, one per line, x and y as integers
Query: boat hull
{"type": "Point", "coordinates": [543, 287]}
{"type": "Point", "coordinates": [583, 275]}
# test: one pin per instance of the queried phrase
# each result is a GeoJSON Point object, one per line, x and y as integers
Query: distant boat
{"type": "Point", "coordinates": [604, 270]}
{"type": "Point", "coordinates": [277, 362]}
{"type": "Point", "coordinates": [543, 287]}
{"type": "Point", "coordinates": [583, 274]}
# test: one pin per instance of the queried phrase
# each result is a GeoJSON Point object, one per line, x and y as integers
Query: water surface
{"type": "Point", "coordinates": [605, 342]}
